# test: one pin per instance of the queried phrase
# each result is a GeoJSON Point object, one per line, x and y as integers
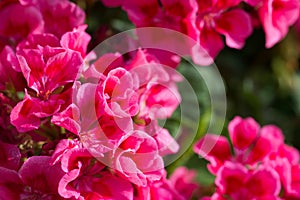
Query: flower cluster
{"type": "Point", "coordinates": [206, 21]}
{"type": "Point", "coordinates": [261, 165]}
{"type": "Point", "coordinates": [73, 127]}
{"type": "Point", "coordinates": [78, 125]}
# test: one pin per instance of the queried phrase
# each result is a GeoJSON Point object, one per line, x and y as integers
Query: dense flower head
{"type": "Point", "coordinates": [260, 159]}
{"type": "Point", "coordinates": [118, 124]}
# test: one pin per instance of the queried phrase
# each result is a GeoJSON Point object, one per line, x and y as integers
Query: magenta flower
{"type": "Point", "coordinates": [42, 70]}
{"type": "Point", "coordinates": [86, 178]}
{"type": "Point", "coordinates": [117, 94]}
{"type": "Point", "coordinates": [175, 14]}
{"type": "Point", "coordinates": [237, 182]}
{"type": "Point", "coordinates": [215, 149]}
{"type": "Point", "coordinates": [137, 159]}
{"type": "Point", "coordinates": [204, 21]}
{"type": "Point", "coordinates": [66, 14]}
{"type": "Point", "coordinates": [251, 144]}
{"type": "Point", "coordinates": [183, 181]}
{"type": "Point", "coordinates": [40, 178]}
{"type": "Point", "coordinates": [276, 16]}
{"type": "Point", "coordinates": [9, 65]}
{"type": "Point", "coordinates": [17, 22]}
{"type": "Point", "coordinates": [216, 18]}
{"type": "Point", "coordinates": [158, 93]}
{"type": "Point", "coordinates": [36, 179]}
{"type": "Point", "coordinates": [10, 156]}
{"type": "Point", "coordinates": [10, 184]}
{"type": "Point", "coordinates": [257, 153]}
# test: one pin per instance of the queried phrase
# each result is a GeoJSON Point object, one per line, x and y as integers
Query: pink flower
{"type": "Point", "coordinates": [158, 190]}
{"type": "Point", "coordinates": [76, 40]}
{"type": "Point", "coordinates": [276, 16]}
{"type": "Point", "coordinates": [243, 132]}
{"type": "Point", "coordinates": [40, 178]}
{"type": "Point", "coordinates": [117, 94]}
{"type": "Point", "coordinates": [110, 186]}
{"type": "Point", "coordinates": [42, 70]}
{"type": "Point", "coordinates": [286, 163]}
{"type": "Point", "coordinates": [216, 18]}
{"type": "Point", "coordinates": [166, 143]}
{"type": "Point", "coordinates": [84, 177]}
{"type": "Point", "coordinates": [140, 86]}
{"type": "Point", "coordinates": [66, 15]}
{"type": "Point", "coordinates": [183, 181]}
{"type": "Point", "coordinates": [24, 115]}
{"type": "Point", "coordinates": [258, 153]}
{"type": "Point", "coordinates": [10, 184]}
{"type": "Point", "coordinates": [159, 96]}
{"type": "Point", "coordinates": [9, 77]}
{"type": "Point", "coordinates": [180, 186]}
{"type": "Point", "coordinates": [35, 41]}
{"type": "Point", "coordinates": [129, 95]}
{"type": "Point", "coordinates": [237, 182]}
{"type": "Point", "coordinates": [204, 21]}
{"type": "Point", "coordinates": [17, 22]}
{"type": "Point", "coordinates": [137, 159]}
{"type": "Point", "coordinates": [171, 14]}
{"type": "Point", "coordinates": [215, 149]}
{"type": "Point", "coordinates": [177, 15]}
{"type": "Point", "coordinates": [10, 156]}
{"type": "Point", "coordinates": [68, 119]}
{"type": "Point", "coordinates": [250, 144]}
{"type": "Point", "coordinates": [36, 179]}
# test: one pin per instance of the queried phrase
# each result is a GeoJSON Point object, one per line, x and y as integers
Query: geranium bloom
{"type": "Point", "coordinates": [238, 182]}
{"type": "Point", "coordinates": [137, 159]}
{"type": "Point", "coordinates": [35, 179]}
{"type": "Point", "coordinates": [110, 115]}
{"type": "Point", "coordinates": [255, 150]}
{"type": "Point", "coordinates": [17, 22]}
{"type": "Point", "coordinates": [216, 18]}
{"type": "Point", "coordinates": [170, 14]}
{"type": "Point", "coordinates": [276, 16]}
{"type": "Point", "coordinates": [204, 21]}
{"type": "Point", "coordinates": [117, 94]}
{"type": "Point", "coordinates": [183, 180]}
{"type": "Point", "coordinates": [42, 70]}
{"type": "Point", "coordinates": [66, 15]}
{"type": "Point", "coordinates": [43, 58]}
{"type": "Point", "coordinates": [250, 144]}
{"type": "Point", "coordinates": [86, 178]}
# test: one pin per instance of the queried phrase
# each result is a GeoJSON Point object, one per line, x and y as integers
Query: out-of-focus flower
{"type": "Point", "coordinates": [257, 152]}
{"type": "Point", "coordinates": [276, 17]}
{"type": "Point", "coordinates": [237, 182]}
{"type": "Point", "coordinates": [216, 18]}
{"type": "Point", "coordinates": [35, 179]}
